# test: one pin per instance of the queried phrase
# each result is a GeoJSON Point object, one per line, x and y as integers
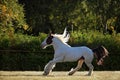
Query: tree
{"type": "Point", "coordinates": [104, 10]}
{"type": "Point", "coordinates": [11, 16]}
{"type": "Point", "coordinates": [46, 15]}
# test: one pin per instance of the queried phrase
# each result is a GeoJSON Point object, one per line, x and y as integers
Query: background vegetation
{"type": "Point", "coordinates": [45, 15]}
{"type": "Point", "coordinates": [23, 25]}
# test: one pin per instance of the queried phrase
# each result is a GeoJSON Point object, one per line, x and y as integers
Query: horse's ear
{"type": "Point", "coordinates": [50, 34]}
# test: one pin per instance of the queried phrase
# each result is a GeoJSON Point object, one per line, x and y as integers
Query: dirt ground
{"type": "Point", "coordinates": [60, 75]}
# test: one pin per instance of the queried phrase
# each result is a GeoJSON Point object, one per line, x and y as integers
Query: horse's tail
{"type": "Point", "coordinates": [100, 53]}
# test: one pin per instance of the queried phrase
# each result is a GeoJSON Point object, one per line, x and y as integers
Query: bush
{"type": "Point", "coordinates": [23, 52]}
{"type": "Point", "coordinates": [94, 39]}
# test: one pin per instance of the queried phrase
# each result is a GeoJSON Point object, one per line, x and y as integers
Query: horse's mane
{"type": "Point", "coordinates": [61, 39]}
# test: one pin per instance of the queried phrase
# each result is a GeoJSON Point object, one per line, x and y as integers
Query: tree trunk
{"type": "Point", "coordinates": [105, 28]}
{"type": "Point", "coordinates": [104, 24]}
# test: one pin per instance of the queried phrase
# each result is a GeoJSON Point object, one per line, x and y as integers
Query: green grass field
{"type": "Point", "coordinates": [33, 75]}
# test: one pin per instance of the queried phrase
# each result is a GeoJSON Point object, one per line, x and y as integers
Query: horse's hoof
{"type": "Point", "coordinates": [88, 75]}
{"type": "Point", "coordinates": [45, 74]}
{"type": "Point", "coordinates": [70, 73]}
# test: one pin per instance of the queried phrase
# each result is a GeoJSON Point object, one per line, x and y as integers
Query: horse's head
{"type": "Point", "coordinates": [63, 37]}
{"type": "Point", "coordinates": [47, 41]}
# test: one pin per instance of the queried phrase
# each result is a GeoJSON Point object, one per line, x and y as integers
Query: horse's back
{"type": "Point", "coordinates": [84, 51]}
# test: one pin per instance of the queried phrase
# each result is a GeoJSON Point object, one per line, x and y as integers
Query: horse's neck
{"type": "Point", "coordinates": [58, 44]}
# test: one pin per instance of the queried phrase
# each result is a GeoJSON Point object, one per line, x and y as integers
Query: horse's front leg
{"type": "Point", "coordinates": [51, 64]}
{"type": "Point", "coordinates": [48, 67]}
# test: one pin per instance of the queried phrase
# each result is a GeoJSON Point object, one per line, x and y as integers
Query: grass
{"type": "Point", "coordinates": [33, 75]}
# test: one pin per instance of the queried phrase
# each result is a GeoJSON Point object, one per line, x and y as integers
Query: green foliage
{"type": "Point", "coordinates": [23, 52]}
{"type": "Point", "coordinates": [45, 15]}
{"type": "Point", "coordinates": [93, 39]}
{"type": "Point", "coordinates": [11, 16]}
{"type": "Point", "coordinates": [21, 42]}
{"type": "Point", "coordinates": [84, 17]}
{"type": "Point", "coordinates": [104, 11]}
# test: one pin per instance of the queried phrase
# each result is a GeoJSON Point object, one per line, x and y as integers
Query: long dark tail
{"type": "Point", "coordinates": [100, 53]}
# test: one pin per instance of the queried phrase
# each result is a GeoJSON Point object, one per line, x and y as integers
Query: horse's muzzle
{"type": "Point", "coordinates": [43, 46]}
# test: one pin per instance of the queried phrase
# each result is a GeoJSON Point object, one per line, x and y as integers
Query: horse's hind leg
{"type": "Point", "coordinates": [90, 66]}
{"type": "Point", "coordinates": [72, 71]}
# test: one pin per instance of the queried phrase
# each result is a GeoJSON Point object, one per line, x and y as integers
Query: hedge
{"type": "Point", "coordinates": [23, 52]}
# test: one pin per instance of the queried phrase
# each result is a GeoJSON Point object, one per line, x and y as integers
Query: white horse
{"type": "Point", "coordinates": [66, 53]}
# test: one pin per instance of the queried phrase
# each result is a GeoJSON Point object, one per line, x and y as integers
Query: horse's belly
{"type": "Point", "coordinates": [78, 52]}
{"type": "Point", "coordinates": [71, 58]}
